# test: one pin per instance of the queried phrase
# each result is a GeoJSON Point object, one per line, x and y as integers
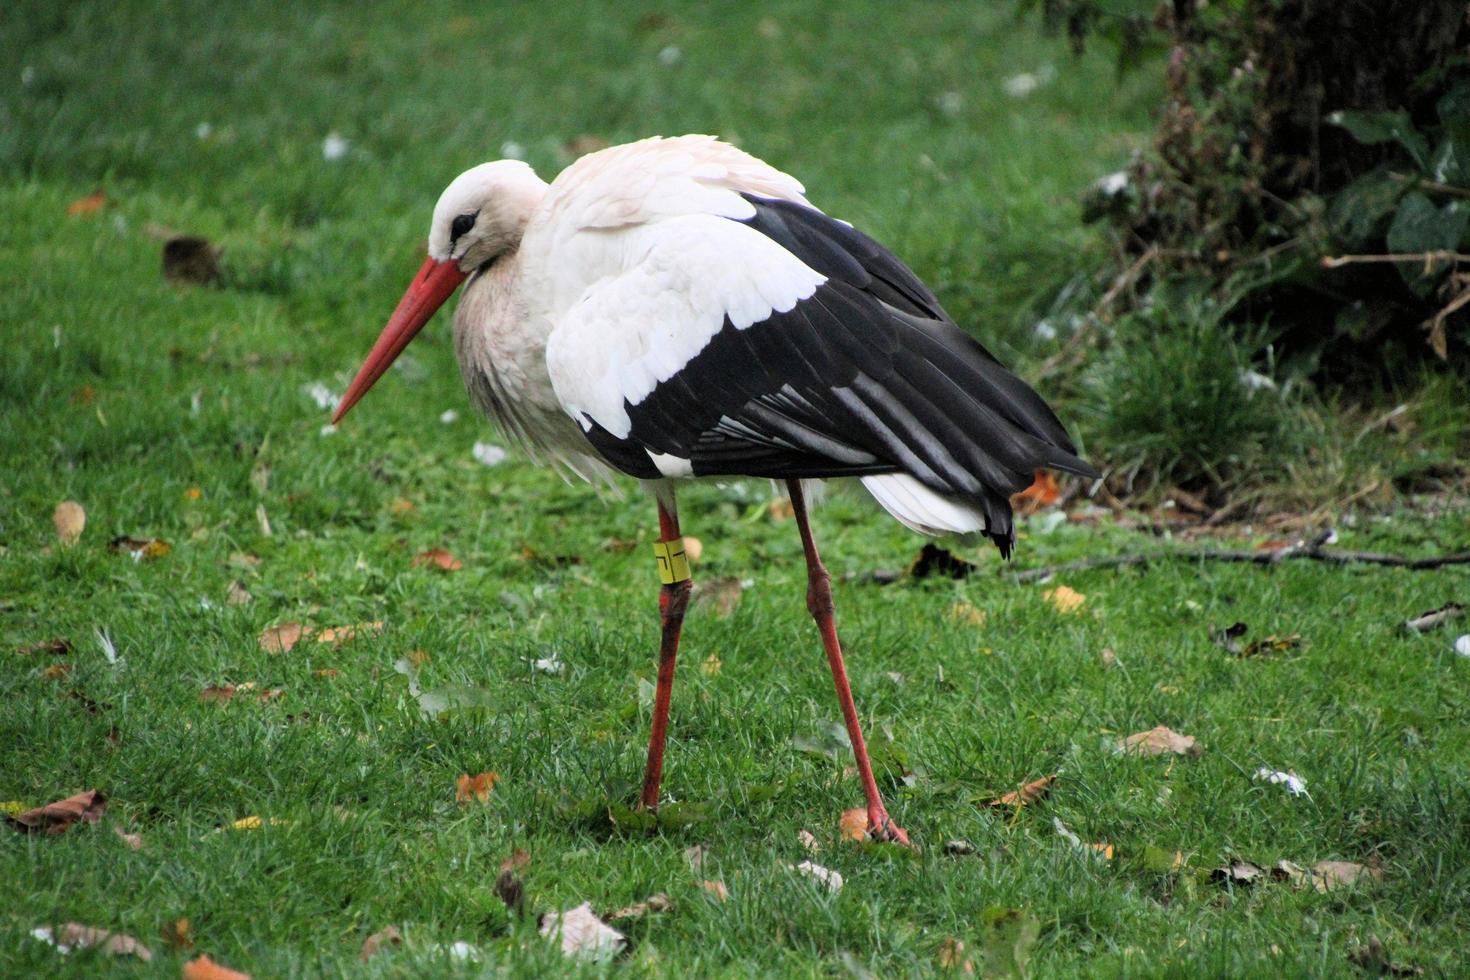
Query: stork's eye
{"type": "Point", "coordinates": [462, 224]}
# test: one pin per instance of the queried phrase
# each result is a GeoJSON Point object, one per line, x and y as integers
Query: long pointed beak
{"type": "Point", "coordinates": [434, 284]}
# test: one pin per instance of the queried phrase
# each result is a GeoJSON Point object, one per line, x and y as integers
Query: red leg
{"type": "Point", "coordinates": [673, 599]}
{"type": "Point", "coordinates": [819, 603]}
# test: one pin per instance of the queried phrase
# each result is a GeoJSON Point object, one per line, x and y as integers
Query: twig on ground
{"type": "Point", "coordinates": [1272, 556]}
{"type": "Point", "coordinates": [1428, 258]}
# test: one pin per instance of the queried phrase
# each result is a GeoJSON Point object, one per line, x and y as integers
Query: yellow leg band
{"type": "Point", "coordinates": [673, 565]}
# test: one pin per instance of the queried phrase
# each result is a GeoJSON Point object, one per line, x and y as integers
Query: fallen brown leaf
{"type": "Point", "coordinates": [1238, 873]}
{"type": "Point", "coordinates": [56, 818]}
{"type": "Point", "coordinates": [193, 493]}
{"type": "Point", "coordinates": [439, 558]}
{"type": "Point", "coordinates": [176, 934]}
{"type": "Point", "coordinates": [280, 639]}
{"type": "Point", "coordinates": [204, 968]}
{"type": "Point", "coordinates": [694, 856]}
{"type": "Point", "coordinates": [958, 848]}
{"type": "Point", "coordinates": [518, 860]}
{"type": "Point", "coordinates": [808, 840]}
{"type": "Point", "coordinates": [1272, 644]}
{"type": "Point", "coordinates": [132, 840]}
{"type": "Point", "coordinates": [56, 672]}
{"type": "Point", "coordinates": [1027, 794]}
{"type": "Point", "coordinates": [952, 956]}
{"type": "Point", "coordinates": [141, 549]}
{"type": "Point", "coordinates": [326, 673]}
{"type": "Point", "coordinates": [508, 889]}
{"type": "Point", "coordinates": [90, 204]}
{"type": "Point", "coordinates": [236, 594]}
{"type": "Point", "coordinates": [74, 935]}
{"type": "Point", "coordinates": [338, 635]}
{"type": "Point", "coordinates": [227, 692]}
{"type": "Point", "coordinates": [854, 824]}
{"type": "Point", "coordinates": [711, 666]}
{"type": "Point", "coordinates": [478, 787]}
{"type": "Point", "coordinates": [1042, 493]}
{"type": "Point", "coordinates": [719, 594]}
{"type": "Point", "coordinates": [58, 647]}
{"type": "Point", "coordinates": [1327, 875]}
{"type": "Point", "coordinates": [1108, 657]}
{"type": "Point", "coordinates": [1161, 740]}
{"type": "Point", "coordinates": [657, 902]}
{"type": "Point", "coordinates": [963, 612]}
{"type": "Point", "coordinates": [401, 506]}
{"type": "Point", "coordinates": [70, 519]}
{"type": "Point", "coordinates": [579, 932]}
{"type": "Point", "coordinates": [1066, 600]}
{"type": "Point", "coordinates": [716, 889]}
{"type": "Point", "coordinates": [387, 936]}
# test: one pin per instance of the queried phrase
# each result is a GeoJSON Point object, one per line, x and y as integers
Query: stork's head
{"type": "Point", "coordinates": [480, 216]}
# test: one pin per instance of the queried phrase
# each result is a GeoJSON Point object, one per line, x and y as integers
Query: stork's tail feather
{"type": "Point", "coordinates": [927, 511]}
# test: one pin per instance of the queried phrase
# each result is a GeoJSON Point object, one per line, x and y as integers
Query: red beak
{"type": "Point", "coordinates": [434, 284]}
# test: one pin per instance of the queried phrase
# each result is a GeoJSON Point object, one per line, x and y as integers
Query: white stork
{"type": "Point", "coordinates": [675, 309]}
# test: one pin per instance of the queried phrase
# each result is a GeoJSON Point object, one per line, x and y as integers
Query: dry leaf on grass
{"type": "Point", "coordinates": [958, 848]}
{"type": "Point", "coordinates": [56, 818]}
{"type": "Point", "coordinates": [963, 612]}
{"type": "Point", "coordinates": [816, 872]}
{"type": "Point", "coordinates": [518, 859]}
{"type": "Point", "coordinates": [226, 692]}
{"type": "Point", "coordinates": [401, 506]}
{"type": "Point", "coordinates": [90, 204]}
{"type": "Point", "coordinates": [280, 639]}
{"type": "Point", "coordinates": [510, 890]}
{"type": "Point", "coordinates": [58, 647]}
{"type": "Point", "coordinates": [808, 840]}
{"type": "Point", "coordinates": [1066, 833]}
{"type": "Point", "coordinates": [141, 549]}
{"type": "Point", "coordinates": [1027, 794]}
{"type": "Point", "coordinates": [439, 558]}
{"type": "Point", "coordinates": [132, 840]}
{"type": "Point", "coordinates": [952, 956]}
{"type": "Point", "coordinates": [716, 889]}
{"type": "Point", "coordinates": [854, 824]}
{"type": "Point", "coordinates": [56, 672]}
{"type": "Point", "coordinates": [236, 594]}
{"type": "Point", "coordinates": [1042, 493]}
{"type": "Point", "coordinates": [694, 857]}
{"type": "Point", "coordinates": [478, 787]}
{"type": "Point", "coordinates": [204, 968]}
{"type": "Point", "coordinates": [1272, 644]}
{"type": "Point", "coordinates": [176, 934]}
{"type": "Point", "coordinates": [373, 945]}
{"type": "Point", "coordinates": [657, 902]}
{"type": "Point", "coordinates": [1327, 875]}
{"type": "Point", "coordinates": [1161, 740]}
{"type": "Point", "coordinates": [1108, 658]}
{"type": "Point", "coordinates": [1066, 600]}
{"type": "Point", "coordinates": [711, 666]}
{"type": "Point", "coordinates": [581, 933]}
{"type": "Point", "coordinates": [721, 595]}
{"type": "Point", "coordinates": [338, 635]}
{"type": "Point", "coordinates": [70, 519]}
{"type": "Point", "coordinates": [254, 822]}
{"type": "Point", "coordinates": [73, 936]}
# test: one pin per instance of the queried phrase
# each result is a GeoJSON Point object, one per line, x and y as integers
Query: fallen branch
{"type": "Point", "coordinates": [1272, 556]}
{"type": "Point", "coordinates": [1427, 258]}
{"type": "Point", "coordinates": [1101, 313]}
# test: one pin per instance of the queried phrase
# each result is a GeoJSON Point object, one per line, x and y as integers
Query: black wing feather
{"type": "Point", "coordinates": [869, 375]}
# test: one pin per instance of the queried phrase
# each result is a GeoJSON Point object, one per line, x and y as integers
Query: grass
{"type": "Point", "coordinates": [181, 413]}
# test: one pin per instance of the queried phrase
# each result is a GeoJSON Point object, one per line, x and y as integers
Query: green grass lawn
{"type": "Point", "coordinates": [184, 413]}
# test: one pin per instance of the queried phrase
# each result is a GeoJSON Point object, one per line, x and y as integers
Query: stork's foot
{"type": "Point", "coordinates": [881, 828]}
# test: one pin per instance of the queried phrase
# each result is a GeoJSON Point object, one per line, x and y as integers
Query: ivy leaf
{"type": "Point", "coordinates": [1418, 226]}
{"type": "Point", "coordinates": [1359, 211]}
{"type": "Point", "coordinates": [1374, 127]}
